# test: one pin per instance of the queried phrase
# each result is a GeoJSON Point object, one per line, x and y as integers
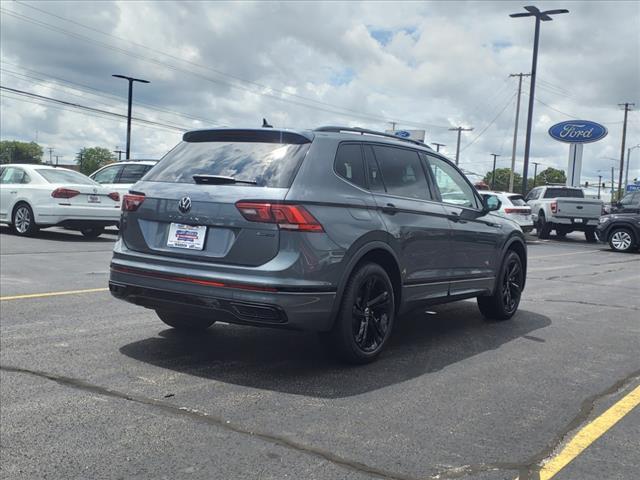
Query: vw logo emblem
{"type": "Point", "coordinates": [184, 205]}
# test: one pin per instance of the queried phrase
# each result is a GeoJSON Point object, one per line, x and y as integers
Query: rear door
{"type": "Point", "coordinates": [475, 239]}
{"type": "Point", "coordinates": [417, 224]}
{"type": "Point", "coordinates": [190, 196]}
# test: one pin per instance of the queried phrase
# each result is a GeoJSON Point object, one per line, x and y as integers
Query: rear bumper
{"type": "Point", "coordinates": [232, 303]}
{"type": "Point", "coordinates": [61, 214]}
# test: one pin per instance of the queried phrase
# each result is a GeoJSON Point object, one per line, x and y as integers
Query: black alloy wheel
{"type": "Point", "coordinates": [504, 301]}
{"type": "Point", "coordinates": [366, 316]}
{"type": "Point", "coordinates": [512, 285]}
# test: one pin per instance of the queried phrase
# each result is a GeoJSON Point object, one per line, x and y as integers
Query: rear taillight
{"type": "Point", "coordinates": [554, 207]}
{"type": "Point", "coordinates": [287, 217]}
{"type": "Point", "coordinates": [115, 196]}
{"type": "Point", "coordinates": [64, 193]}
{"type": "Point", "coordinates": [131, 202]}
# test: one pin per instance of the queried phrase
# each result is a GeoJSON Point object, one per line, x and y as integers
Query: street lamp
{"type": "Point", "coordinates": [626, 174]}
{"type": "Point", "coordinates": [130, 80]}
{"type": "Point", "coordinates": [545, 17]}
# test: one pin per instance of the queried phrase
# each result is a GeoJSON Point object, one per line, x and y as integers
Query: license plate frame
{"type": "Point", "coordinates": [186, 237]}
{"type": "Point", "coordinates": [93, 198]}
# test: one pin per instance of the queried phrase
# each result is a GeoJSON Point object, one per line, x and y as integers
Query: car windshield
{"type": "Point", "coordinates": [563, 193]}
{"type": "Point", "coordinates": [517, 200]}
{"type": "Point", "coordinates": [267, 164]}
{"type": "Point", "coordinates": [61, 175]}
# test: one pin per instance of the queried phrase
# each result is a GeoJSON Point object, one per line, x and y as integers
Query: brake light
{"type": "Point", "coordinates": [287, 217]}
{"type": "Point", "coordinates": [64, 193]}
{"type": "Point", "coordinates": [554, 207]}
{"type": "Point", "coordinates": [131, 202]}
{"type": "Point", "coordinates": [115, 196]}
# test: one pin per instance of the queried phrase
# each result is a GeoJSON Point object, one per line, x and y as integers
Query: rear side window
{"type": "Point", "coordinates": [267, 164]}
{"type": "Point", "coordinates": [132, 173]}
{"type": "Point", "coordinates": [60, 175]}
{"type": "Point", "coordinates": [108, 174]}
{"type": "Point", "coordinates": [517, 200]}
{"type": "Point", "coordinates": [402, 172]}
{"type": "Point", "coordinates": [349, 164]}
{"type": "Point", "coordinates": [563, 193]}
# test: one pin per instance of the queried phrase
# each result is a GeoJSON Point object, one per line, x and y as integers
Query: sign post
{"type": "Point", "coordinates": [576, 133]}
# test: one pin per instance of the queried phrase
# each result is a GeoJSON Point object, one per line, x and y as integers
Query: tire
{"type": "Point", "coordinates": [503, 304]}
{"type": "Point", "coordinates": [366, 316]}
{"type": "Point", "coordinates": [92, 232]}
{"type": "Point", "coordinates": [185, 323]}
{"type": "Point", "coordinates": [621, 240]}
{"type": "Point", "coordinates": [561, 232]}
{"type": "Point", "coordinates": [24, 223]}
{"type": "Point", "coordinates": [543, 228]}
{"type": "Point", "coordinates": [590, 235]}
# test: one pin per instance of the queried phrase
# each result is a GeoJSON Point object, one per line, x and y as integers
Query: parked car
{"type": "Point", "coordinates": [335, 230]}
{"type": "Point", "coordinates": [514, 208]}
{"type": "Point", "coordinates": [41, 196]}
{"type": "Point", "coordinates": [121, 176]}
{"type": "Point", "coordinates": [630, 203]}
{"type": "Point", "coordinates": [563, 209]}
{"type": "Point", "coordinates": [620, 230]}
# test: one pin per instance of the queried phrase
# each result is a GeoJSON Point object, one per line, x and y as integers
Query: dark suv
{"type": "Point", "coordinates": [335, 230]}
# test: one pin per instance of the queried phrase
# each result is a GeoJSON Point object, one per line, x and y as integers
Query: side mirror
{"type": "Point", "coordinates": [492, 203]}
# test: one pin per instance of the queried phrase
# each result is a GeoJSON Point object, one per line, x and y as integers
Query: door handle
{"type": "Point", "coordinates": [390, 208]}
{"type": "Point", "coordinates": [454, 216]}
{"type": "Point", "coordinates": [13, 192]}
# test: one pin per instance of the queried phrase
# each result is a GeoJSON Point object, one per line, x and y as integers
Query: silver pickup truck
{"type": "Point", "coordinates": [563, 209]}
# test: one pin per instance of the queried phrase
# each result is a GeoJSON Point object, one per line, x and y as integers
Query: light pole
{"type": "Point", "coordinates": [545, 17]}
{"type": "Point", "coordinates": [626, 173]}
{"type": "Point", "coordinates": [493, 174]}
{"type": "Point", "coordinates": [130, 80]}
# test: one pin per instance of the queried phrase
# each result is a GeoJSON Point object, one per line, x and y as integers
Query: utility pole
{"type": "Point", "coordinates": [540, 16]}
{"type": "Point", "coordinates": [130, 80]}
{"type": "Point", "coordinates": [459, 130]}
{"type": "Point", "coordinates": [119, 152]}
{"type": "Point", "coordinates": [50, 155]}
{"type": "Point", "coordinates": [58, 158]}
{"type": "Point", "coordinates": [627, 106]}
{"type": "Point", "coordinates": [599, 185]}
{"type": "Point", "coordinates": [493, 174]}
{"type": "Point", "coordinates": [438, 145]}
{"type": "Point", "coordinates": [613, 186]}
{"type": "Point", "coordinates": [515, 130]}
{"type": "Point", "coordinates": [80, 159]}
{"type": "Point", "coordinates": [535, 172]}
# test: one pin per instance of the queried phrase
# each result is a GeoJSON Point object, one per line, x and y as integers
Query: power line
{"type": "Point", "coordinates": [339, 111]}
{"type": "Point", "coordinates": [87, 108]}
{"type": "Point", "coordinates": [490, 123]}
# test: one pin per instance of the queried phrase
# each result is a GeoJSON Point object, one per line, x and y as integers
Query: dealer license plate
{"type": "Point", "coordinates": [94, 199]}
{"type": "Point", "coordinates": [186, 236]}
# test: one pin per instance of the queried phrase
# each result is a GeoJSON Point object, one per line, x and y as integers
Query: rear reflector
{"type": "Point", "coordinates": [131, 202]}
{"type": "Point", "coordinates": [64, 193]}
{"type": "Point", "coordinates": [115, 196]}
{"type": "Point", "coordinates": [287, 217]}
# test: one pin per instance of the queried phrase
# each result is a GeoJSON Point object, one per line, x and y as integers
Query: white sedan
{"type": "Point", "coordinates": [514, 208]}
{"type": "Point", "coordinates": [38, 196]}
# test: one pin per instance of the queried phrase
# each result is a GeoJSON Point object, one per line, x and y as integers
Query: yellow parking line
{"type": "Point", "coordinates": [53, 294]}
{"type": "Point", "coordinates": [590, 433]}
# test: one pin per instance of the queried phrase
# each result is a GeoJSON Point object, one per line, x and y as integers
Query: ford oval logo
{"type": "Point", "coordinates": [578, 131]}
{"type": "Point", "coordinates": [184, 205]}
{"type": "Point", "coordinates": [402, 134]}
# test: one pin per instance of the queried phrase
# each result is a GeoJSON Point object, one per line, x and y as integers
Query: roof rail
{"type": "Point", "coordinates": [364, 131]}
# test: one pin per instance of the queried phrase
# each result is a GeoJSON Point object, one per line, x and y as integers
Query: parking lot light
{"type": "Point", "coordinates": [130, 80]}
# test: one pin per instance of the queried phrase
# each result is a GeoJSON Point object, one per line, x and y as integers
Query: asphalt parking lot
{"type": "Point", "coordinates": [92, 387]}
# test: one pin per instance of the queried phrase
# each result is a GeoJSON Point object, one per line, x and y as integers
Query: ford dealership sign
{"type": "Point", "coordinates": [578, 131]}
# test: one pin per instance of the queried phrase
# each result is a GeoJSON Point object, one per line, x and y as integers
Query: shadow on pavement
{"type": "Point", "coordinates": [296, 363]}
{"type": "Point", "coordinates": [60, 235]}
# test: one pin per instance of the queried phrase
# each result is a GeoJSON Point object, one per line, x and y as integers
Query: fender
{"type": "Point", "coordinates": [514, 237]}
{"type": "Point", "coordinates": [357, 252]}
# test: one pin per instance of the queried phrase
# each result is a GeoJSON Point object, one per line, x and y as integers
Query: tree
{"type": "Point", "coordinates": [502, 180]}
{"type": "Point", "coordinates": [551, 175]}
{"type": "Point", "coordinates": [91, 159]}
{"type": "Point", "coordinates": [13, 151]}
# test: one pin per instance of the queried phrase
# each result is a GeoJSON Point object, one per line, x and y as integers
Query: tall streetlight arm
{"type": "Point", "coordinates": [130, 80]}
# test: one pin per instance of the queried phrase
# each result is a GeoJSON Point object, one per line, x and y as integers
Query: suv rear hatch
{"type": "Point", "coordinates": [189, 200]}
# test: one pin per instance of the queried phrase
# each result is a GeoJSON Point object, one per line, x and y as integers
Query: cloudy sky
{"type": "Point", "coordinates": [430, 65]}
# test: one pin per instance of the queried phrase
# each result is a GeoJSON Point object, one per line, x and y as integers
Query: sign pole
{"type": "Point", "coordinates": [574, 168]}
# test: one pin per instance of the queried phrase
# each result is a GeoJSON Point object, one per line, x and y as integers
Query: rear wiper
{"type": "Point", "coordinates": [220, 180]}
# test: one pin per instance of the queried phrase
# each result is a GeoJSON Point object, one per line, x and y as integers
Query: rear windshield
{"type": "Point", "coordinates": [64, 176]}
{"type": "Point", "coordinates": [563, 193]}
{"type": "Point", "coordinates": [517, 200]}
{"type": "Point", "coordinates": [267, 164]}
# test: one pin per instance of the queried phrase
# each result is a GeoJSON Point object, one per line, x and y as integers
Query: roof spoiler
{"type": "Point", "coordinates": [249, 135]}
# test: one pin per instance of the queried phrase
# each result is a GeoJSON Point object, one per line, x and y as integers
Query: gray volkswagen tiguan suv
{"type": "Point", "coordinates": [336, 230]}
